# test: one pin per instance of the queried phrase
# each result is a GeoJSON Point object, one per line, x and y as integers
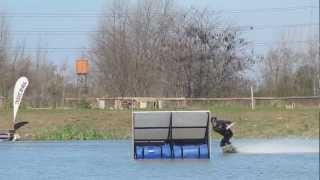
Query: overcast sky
{"type": "Point", "coordinates": [269, 19]}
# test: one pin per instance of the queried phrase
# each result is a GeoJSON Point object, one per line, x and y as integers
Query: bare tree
{"type": "Point", "coordinates": [290, 71]}
{"type": "Point", "coordinates": [210, 55]}
{"type": "Point", "coordinates": [154, 50]}
{"type": "Point", "coordinates": [4, 35]}
{"type": "Point", "coordinates": [278, 71]}
{"type": "Point", "coordinates": [125, 50]}
{"type": "Point", "coordinates": [47, 81]}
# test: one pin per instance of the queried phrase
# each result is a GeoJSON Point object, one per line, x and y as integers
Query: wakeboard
{"type": "Point", "coordinates": [229, 149]}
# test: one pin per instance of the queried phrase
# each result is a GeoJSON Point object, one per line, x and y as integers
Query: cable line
{"type": "Point", "coordinates": [111, 14]}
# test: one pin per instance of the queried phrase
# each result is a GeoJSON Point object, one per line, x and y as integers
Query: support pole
{"type": "Point", "coordinates": [252, 99]}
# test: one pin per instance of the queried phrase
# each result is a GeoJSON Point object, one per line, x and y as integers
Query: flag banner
{"type": "Point", "coordinates": [21, 85]}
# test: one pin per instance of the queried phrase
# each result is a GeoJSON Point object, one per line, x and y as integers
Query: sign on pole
{"type": "Point", "coordinates": [19, 88]}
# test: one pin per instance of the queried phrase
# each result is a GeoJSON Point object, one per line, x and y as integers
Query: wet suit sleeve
{"type": "Point", "coordinates": [226, 122]}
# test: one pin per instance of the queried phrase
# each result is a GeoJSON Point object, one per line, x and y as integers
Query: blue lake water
{"type": "Point", "coordinates": [258, 159]}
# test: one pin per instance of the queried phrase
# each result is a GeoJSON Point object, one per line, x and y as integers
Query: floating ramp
{"type": "Point", "coordinates": [171, 134]}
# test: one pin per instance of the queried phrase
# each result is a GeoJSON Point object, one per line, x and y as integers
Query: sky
{"type": "Point", "coordinates": [270, 19]}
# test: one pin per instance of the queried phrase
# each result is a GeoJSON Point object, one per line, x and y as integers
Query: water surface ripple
{"type": "Point", "coordinates": [258, 160]}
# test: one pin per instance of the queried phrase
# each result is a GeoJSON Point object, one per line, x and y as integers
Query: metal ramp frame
{"type": "Point", "coordinates": [171, 133]}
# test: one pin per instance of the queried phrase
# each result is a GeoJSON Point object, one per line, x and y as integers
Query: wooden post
{"type": "Point", "coordinates": [252, 99]}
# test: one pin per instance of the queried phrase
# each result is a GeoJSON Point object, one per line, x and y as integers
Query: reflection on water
{"type": "Point", "coordinates": [112, 160]}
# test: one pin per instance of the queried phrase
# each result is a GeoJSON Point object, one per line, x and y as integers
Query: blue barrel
{"type": "Point", "coordinates": [179, 151]}
{"type": "Point", "coordinates": [204, 151]}
{"type": "Point", "coordinates": [139, 152]}
{"type": "Point", "coordinates": [190, 151]}
{"type": "Point", "coordinates": [153, 152]}
{"type": "Point", "coordinates": [166, 151]}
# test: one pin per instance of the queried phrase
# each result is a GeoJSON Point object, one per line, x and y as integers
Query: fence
{"type": "Point", "coordinates": [163, 103]}
{"type": "Point", "coordinates": [122, 103]}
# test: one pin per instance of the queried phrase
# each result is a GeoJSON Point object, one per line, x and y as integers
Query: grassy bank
{"type": "Point", "coordinates": [86, 124]}
{"type": "Point", "coordinates": [270, 122]}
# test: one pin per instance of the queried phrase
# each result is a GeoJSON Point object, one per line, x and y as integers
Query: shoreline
{"type": "Point", "coordinates": [94, 124]}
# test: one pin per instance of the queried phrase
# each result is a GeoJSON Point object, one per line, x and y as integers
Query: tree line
{"type": "Point", "coordinates": [49, 82]}
{"type": "Point", "coordinates": [288, 71]}
{"type": "Point", "coordinates": [156, 48]}
{"type": "Point", "coordinates": [153, 49]}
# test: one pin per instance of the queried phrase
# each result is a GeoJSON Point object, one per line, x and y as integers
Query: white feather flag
{"type": "Point", "coordinates": [21, 85]}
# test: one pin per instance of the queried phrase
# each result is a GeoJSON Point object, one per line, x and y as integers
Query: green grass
{"type": "Point", "coordinates": [92, 124]}
{"type": "Point", "coordinates": [79, 132]}
{"type": "Point", "coordinates": [271, 122]}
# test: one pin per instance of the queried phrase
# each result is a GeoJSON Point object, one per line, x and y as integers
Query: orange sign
{"type": "Point", "coordinates": [82, 66]}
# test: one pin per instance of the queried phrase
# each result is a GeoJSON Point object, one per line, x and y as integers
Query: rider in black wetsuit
{"type": "Point", "coordinates": [221, 127]}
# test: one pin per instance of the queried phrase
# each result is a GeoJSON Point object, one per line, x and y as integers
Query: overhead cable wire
{"type": "Point", "coordinates": [111, 15]}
